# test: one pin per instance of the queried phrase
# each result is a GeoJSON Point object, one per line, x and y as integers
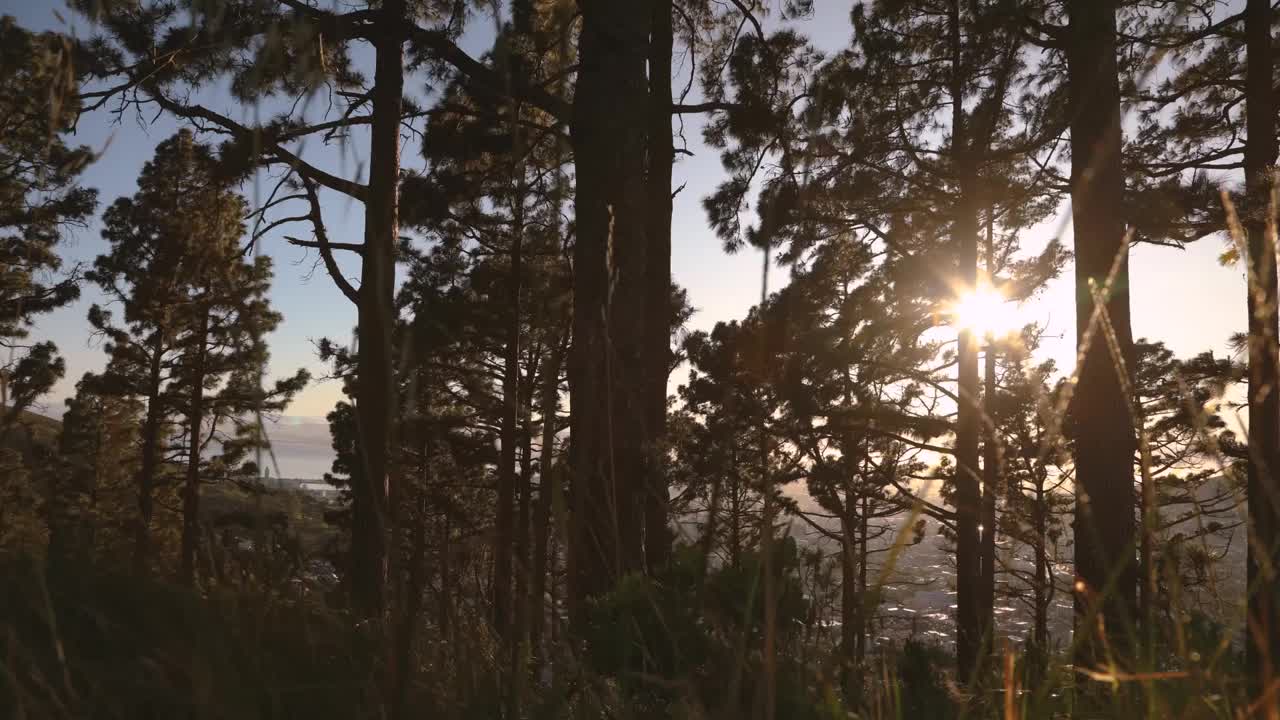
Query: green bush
{"type": "Point", "coordinates": [688, 643]}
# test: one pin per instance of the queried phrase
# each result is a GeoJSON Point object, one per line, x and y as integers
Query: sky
{"type": "Point", "coordinates": [1181, 296]}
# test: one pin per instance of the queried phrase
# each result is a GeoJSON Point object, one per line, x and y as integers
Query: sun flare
{"type": "Point", "coordinates": [985, 311]}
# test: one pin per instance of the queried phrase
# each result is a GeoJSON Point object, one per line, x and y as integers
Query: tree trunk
{"type": "Point", "coordinates": [768, 563]}
{"type": "Point", "coordinates": [969, 596]}
{"type": "Point", "coordinates": [1149, 518]}
{"type": "Point", "coordinates": [542, 511]}
{"type": "Point", "coordinates": [519, 642]}
{"type": "Point", "coordinates": [990, 483]}
{"type": "Point", "coordinates": [1040, 629]}
{"type": "Point", "coordinates": [191, 490]}
{"type": "Point", "coordinates": [967, 498]}
{"type": "Point", "coordinates": [850, 600]}
{"type": "Point", "coordinates": [554, 589]}
{"type": "Point", "coordinates": [735, 518]}
{"type": "Point", "coordinates": [503, 618]}
{"type": "Point", "coordinates": [1264, 402]}
{"type": "Point", "coordinates": [503, 532]}
{"type": "Point", "coordinates": [607, 373]}
{"type": "Point", "coordinates": [150, 459]}
{"type": "Point", "coordinates": [991, 460]}
{"type": "Point", "coordinates": [1103, 432]}
{"type": "Point", "coordinates": [658, 309]}
{"type": "Point", "coordinates": [444, 609]}
{"type": "Point", "coordinates": [412, 604]}
{"type": "Point", "coordinates": [864, 555]}
{"type": "Point", "coordinates": [375, 376]}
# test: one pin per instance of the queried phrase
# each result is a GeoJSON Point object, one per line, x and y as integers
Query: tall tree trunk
{"type": "Point", "coordinates": [150, 459]}
{"type": "Point", "coordinates": [444, 609]}
{"type": "Point", "coordinates": [1103, 432]}
{"type": "Point", "coordinates": [850, 600]}
{"type": "Point", "coordinates": [607, 373]}
{"type": "Point", "coordinates": [768, 561]}
{"type": "Point", "coordinates": [1040, 629]}
{"type": "Point", "coordinates": [522, 19]}
{"type": "Point", "coordinates": [864, 556]}
{"type": "Point", "coordinates": [375, 387]}
{"type": "Point", "coordinates": [554, 588]}
{"type": "Point", "coordinates": [1264, 382]}
{"type": "Point", "coordinates": [768, 564]}
{"type": "Point", "coordinates": [503, 532]}
{"type": "Point", "coordinates": [735, 517]}
{"type": "Point", "coordinates": [542, 511]}
{"type": "Point", "coordinates": [991, 460]}
{"type": "Point", "coordinates": [990, 488]}
{"type": "Point", "coordinates": [191, 489]}
{"type": "Point", "coordinates": [519, 642]}
{"type": "Point", "coordinates": [967, 503]}
{"type": "Point", "coordinates": [1149, 519]}
{"type": "Point", "coordinates": [658, 309]}
{"type": "Point", "coordinates": [413, 602]}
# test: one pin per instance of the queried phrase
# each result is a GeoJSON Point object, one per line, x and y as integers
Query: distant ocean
{"type": "Point", "coordinates": [302, 447]}
{"type": "Point", "coordinates": [301, 443]}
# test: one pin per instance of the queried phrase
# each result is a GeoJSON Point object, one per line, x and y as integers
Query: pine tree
{"type": "Point", "coordinates": [142, 344]}
{"type": "Point", "coordinates": [153, 51]}
{"type": "Point", "coordinates": [1036, 498]}
{"type": "Point", "coordinates": [849, 383]}
{"type": "Point", "coordinates": [40, 200]}
{"type": "Point", "coordinates": [499, 184]}
{"type": "Point", "coordinates": [223, 360]}
{"type": "Point", "coordinates": [886, 155]}
{"type": "Point", "coordinates": [196, 318]}
{"type": "Point", "coordinates": [1182, 432]}
{"type": "Point", "coordinates": [92, 505]}
{"type": "Point", "coordinates": [222, 353]}
{"type": "Point", "coordinates": [1209, 119]}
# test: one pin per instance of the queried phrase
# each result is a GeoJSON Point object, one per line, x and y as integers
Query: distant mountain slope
{"type": "Point", "coordinates": [30, 432]}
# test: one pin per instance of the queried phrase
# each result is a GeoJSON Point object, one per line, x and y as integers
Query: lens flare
{"type": "Point", "coordinates": [984, 311]}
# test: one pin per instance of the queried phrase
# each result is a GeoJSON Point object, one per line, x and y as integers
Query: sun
{"type": "Point", "coordinates": [984, 311]}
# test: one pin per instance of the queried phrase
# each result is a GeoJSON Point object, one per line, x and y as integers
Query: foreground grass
{"type": "Point", "coordinates": [100, 645]}
{"type": "Point", "coordinates": [92, 644]}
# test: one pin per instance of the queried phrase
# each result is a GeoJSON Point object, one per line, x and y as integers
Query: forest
{"type": "Point", "coordinates": [565, 490]}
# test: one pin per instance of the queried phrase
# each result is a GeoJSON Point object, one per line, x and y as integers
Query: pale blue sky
{"type": "Point", "coordinates": [1181, 296]}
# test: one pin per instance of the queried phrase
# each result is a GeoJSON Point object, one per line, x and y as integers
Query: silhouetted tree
{"type": "Point", "coordinates": [195, 320]}
{"type": "Point", "coordinates": [151, 52]}
{"type": "Point", "coordinates": [92, 503]}
{"type": "Point", "coordinates": [1103, 432]}
{"type": "Point", "coordinates": [40, 200]}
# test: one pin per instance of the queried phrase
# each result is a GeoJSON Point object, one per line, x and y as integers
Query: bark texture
{"type": "Point", "coordinates": [658, 308]}
{"type": "Point", "coordinates": [375, 388]}
{"type": "Point", "coordinates": [1264, 400]}
{"type": "Point", "coordinates": [547, 475]}
{"type": "Point", "coordinates": [150, 459]}
{"type": "Point", "coordinates": [964, 236]}
{"type": "Point", "coordinates": [607, 365]}
{"type": "Point", "coordinates": [191, 489]}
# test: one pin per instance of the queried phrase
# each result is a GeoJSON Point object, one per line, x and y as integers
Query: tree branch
{"type": "Point", "coordinates": [308, 171]}
{"type": "Point", "coordinates": [714, 106]}
{"type": "Point", "coordinates": [322, 244]}
{"type": "Point", "coordinates": [443, 48]}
